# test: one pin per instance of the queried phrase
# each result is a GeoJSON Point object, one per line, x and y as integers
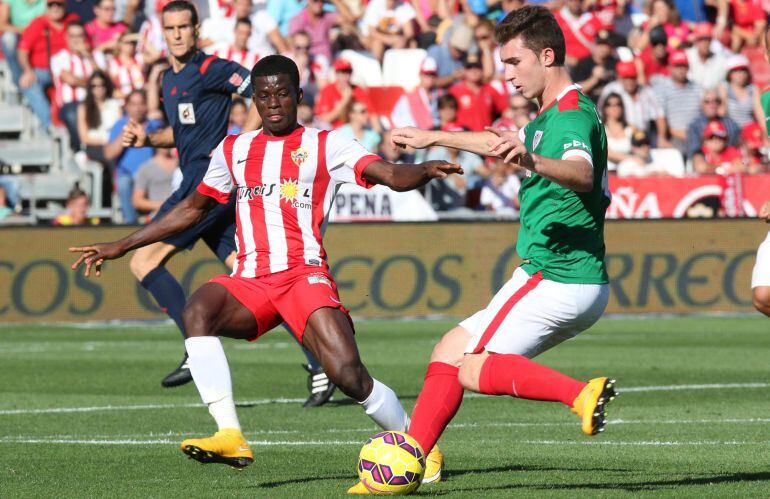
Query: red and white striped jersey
{"type": "Point", "coordinates": [127, 77]}
{"type": "Point", "coordinates": [64, 60]}
{"type": "Point", "coordinates": [245, 58]}
{"type": "Point", "coordinates": [285, 187]}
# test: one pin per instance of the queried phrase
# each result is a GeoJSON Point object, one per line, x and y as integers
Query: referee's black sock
{"type": "Point", "coordinates": [167, 292]}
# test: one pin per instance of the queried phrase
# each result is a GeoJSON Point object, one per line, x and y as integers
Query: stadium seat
{"type": "Point", "coordinates": [401, 67]}
{"type": "Point", "coordinates": [366, 69]}
{"type": "Point", "coordinates": [671, 158]}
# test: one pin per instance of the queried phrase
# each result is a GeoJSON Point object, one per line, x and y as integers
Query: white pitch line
{"type": "Point", "coordinates": [268, 443]}
{"type": "Point", "coordinates": [254, 443]}
{"type": "Point", "coordinates": [630, 389]}
{"type": "Point", "coordinates": [710, 386]}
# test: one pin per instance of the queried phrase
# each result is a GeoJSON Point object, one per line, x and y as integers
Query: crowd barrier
{"type": "Point", "coordinates": [401, 269]}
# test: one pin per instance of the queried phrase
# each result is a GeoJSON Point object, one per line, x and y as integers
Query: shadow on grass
{"type": "Point", "coordinates": [619, 485]}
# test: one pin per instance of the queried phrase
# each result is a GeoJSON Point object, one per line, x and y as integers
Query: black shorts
{"type": "Point", "coordinates": [217, 229]}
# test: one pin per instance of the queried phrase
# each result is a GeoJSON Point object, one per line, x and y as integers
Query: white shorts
{"type": "Point", "coordinates": [760, 275]}
{"type": "Point", "coordinates": [529, 315]}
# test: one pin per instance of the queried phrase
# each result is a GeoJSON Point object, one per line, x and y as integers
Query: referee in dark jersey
{"type": "Point", "coordinates": [196, 96]}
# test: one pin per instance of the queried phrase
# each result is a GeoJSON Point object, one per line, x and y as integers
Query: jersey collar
{"type": "Point", "coordinates": [567, 89]}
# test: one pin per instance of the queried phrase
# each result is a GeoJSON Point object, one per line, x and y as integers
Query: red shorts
{"type": "Point", "coordinates": [290, 296]}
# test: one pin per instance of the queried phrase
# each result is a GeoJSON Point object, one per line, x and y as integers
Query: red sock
{"type": "Point", "coordinates": [515, 375]}
{"type": "Point", "coordinates": [437, 404]}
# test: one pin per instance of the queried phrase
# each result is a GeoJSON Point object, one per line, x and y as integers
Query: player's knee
{"type": "Point", "coordinates": [140, 266]}
{"type": "Point", "coordinates": [468, 376]}
{"type": "Point", "coordinates": [197, 319]}
{"type": "Point", "coordinates": [351, 378]}
{"type": "Point", "coordinates": [760, 296]}
{"type": "Point", "coordinates": [449, 350]}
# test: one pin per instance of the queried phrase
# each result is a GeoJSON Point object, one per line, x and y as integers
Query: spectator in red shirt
{"type": "Point", "coordinates": [334, 98]}
{"type": "Point", "coordinates": [580, 29]}
{"type": "Point", "coordinates": [40, 40]}
{"type": "Point", "coordinates": [478, 103]}
{"type": "Point", "coordinates": [715, 155]}
{"type": "Point", "coordinates": [103, 32]}
{"type": "Point", "coordinates": [749, 23]}
{"type": "Point", "coordinates": [753, 138]}
{"type": "Point", "coordinates": [654, 57]}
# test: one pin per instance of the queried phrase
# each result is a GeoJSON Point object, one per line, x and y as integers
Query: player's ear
{"type": "Point", "coordinates": [300, 95]}
{"type": "Point", "coordinates": [548, 57]}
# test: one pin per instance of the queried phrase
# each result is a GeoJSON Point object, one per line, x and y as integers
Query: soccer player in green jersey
{"type": "Point", "coordinates": [760, 275]}
{"type": "Point", "coordinates": [561, 288]}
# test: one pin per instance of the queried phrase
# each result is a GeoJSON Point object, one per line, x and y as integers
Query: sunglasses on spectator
{"type": "Point", "coordinates": [613, 104]}
{"type": "Point", "coordinates": [712, 101]}
{"type": "Point", "coordinates": [302, 47]}
{"type": "Point", "coordinates": [56, 4]}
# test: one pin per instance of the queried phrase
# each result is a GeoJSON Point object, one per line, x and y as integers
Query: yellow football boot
{"type": "Point", "coordinates": [227, 446]}
{"type": "Point", "coordinates": [434, 463]}
{"type": "Point", "coordinates": [591, 404]}
{"type": "Point", "coordinates": [359, 489]}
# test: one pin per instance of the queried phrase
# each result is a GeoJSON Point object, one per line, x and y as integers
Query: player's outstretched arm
{"type": "Point", "coordinates": [475, 142]}
{"type": "Point", "coordinates": [184, 215]}
{"type": "Point", "coordinates": [574, 173]}
{"type": "Point", "coordinates": [405, 177]}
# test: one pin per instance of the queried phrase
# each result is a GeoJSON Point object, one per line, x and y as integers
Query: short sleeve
{"type": "Point", "coordinates": [346, 159]}
{"type": "Point", "coordinates": [226, 76]}
{"type": "Point", "coordinates": [117, 129]}
{"type": "Point", "coordinates": [218, 181]}
{"type": "Point", "coordinates": [575, 135]}
{"type": "Point", "coordinates": [142, 178]}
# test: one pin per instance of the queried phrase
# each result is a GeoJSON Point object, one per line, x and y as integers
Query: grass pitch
{"type": "Point", "coordinates": [82, 414]}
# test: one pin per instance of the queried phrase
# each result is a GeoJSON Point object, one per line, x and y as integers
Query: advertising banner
{"type": "Point", "coordinates": [354, 203]}
{"type": "Point", "coordinates": [672, 197]}
{"type": "Point", "coordinates": [400, 270]}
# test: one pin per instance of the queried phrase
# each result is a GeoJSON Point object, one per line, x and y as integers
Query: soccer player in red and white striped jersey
{"type": "Point", "coordinates": [239, 51]}
{"type": "Point", "coordinates": [284, 177]}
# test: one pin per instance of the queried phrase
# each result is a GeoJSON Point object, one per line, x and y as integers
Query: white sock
{"type": "Point", "coordinates": [385, 409]}
{"type": "Point", "coordinates": [211, 374]}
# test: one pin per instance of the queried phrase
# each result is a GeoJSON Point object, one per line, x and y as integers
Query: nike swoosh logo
{"type": "Point", "coordinates": [243, 448]}
{"type": "Point", "coordinates": [240, 161]}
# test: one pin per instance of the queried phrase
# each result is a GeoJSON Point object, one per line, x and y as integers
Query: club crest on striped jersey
{"type": "Point", "coordinates": [289, 189]}
{"type": "Point", "coordinates": [299, 156]}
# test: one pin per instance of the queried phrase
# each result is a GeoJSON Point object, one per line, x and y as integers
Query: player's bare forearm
{"type": "Point", "coordinates": [162, 138]}
{"type": "Point", "coordinates": [405, 177]}
{"type": "Point", "coordinates": [575, 174]}
{"type": "Point", "coordinates": [184, 215]}
{"type": "Point", "coordinates": [475, 142]}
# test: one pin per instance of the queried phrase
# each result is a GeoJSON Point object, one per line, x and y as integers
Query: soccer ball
{"type": "Point", "coordinates": [391, 462]}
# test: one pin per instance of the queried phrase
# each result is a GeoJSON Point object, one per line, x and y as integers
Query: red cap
{"type": "Point", "coordinates": [703, 30]}
{"type": "Point", "coordinates": [626, 69]}
{"type": "Point", "coordinates": [715, 128]}
{"type": "Point", "coordinates": [678, 58]}
{"type": "Point", "coordinates": [752, 135]}
{"type": "Point", "coordinates": [342, 65]}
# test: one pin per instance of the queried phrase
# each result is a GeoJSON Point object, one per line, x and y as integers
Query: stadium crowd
{"type": "Point", "coordinates": [677, 83]}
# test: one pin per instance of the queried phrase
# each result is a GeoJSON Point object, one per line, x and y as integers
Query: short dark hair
{"type": "Point", "coordinates": [181, 6]}
{"type": "Point", "coordinates": [447, 100]}
{"type": "Point", "coordinates": [75, 24]}
{"type": "Point", "coordinates": [275, 65]}
{"type": "Point", "coordinates": [137, 91]}
{"type": "Point", "coordinates": [538, 30]}
{"type": "Point", "coordinates": [243, 20]}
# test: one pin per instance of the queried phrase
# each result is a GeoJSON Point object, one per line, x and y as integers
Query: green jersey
{"type": "Point", "coordinates": [561, 232]}
{"type": "Point", "coordinates": [765, 98]}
